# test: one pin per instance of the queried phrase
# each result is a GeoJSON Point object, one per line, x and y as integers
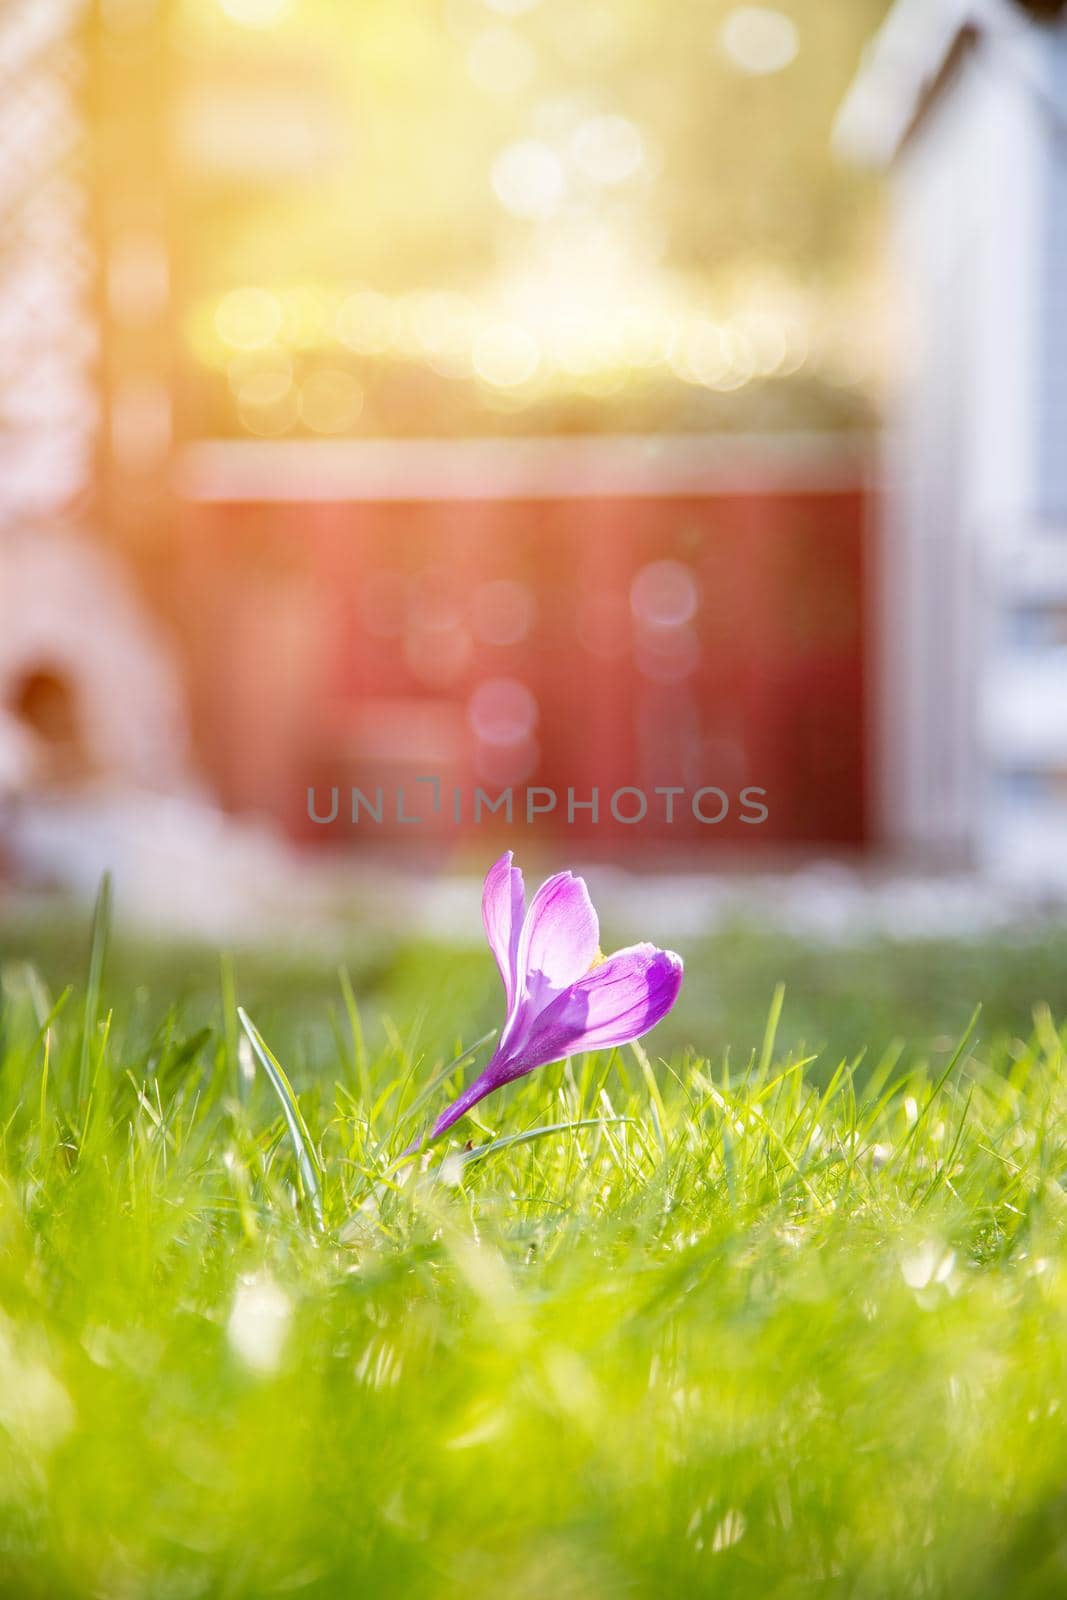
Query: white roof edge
{"type": "Point", "coordinates": [904, 60]}
{"type": "Point", "coordinates": [217, 471]}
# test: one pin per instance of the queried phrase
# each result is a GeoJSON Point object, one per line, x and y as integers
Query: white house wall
{"type": "Point", "coordinates": [968, 100]}
{"type": "Point", "coordinates": [1001, 171]}
{"type": "Point", "coordinates": [1052, 437]}
{"type": "Point", "coordinates": [1023, 823]}
{"type": "Point", "coordinates": [961, 445]}
{"type": "Point", "coordinates": [927, 756]}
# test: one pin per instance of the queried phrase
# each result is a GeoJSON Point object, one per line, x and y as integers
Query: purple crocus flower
{"type": "Point", "coordinates": [563, 996]}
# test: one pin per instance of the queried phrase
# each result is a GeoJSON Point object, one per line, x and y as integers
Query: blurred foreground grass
{"type": "Point", "coordinates": [768, 1327]}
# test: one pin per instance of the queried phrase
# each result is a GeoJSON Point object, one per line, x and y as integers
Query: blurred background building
{"type": "Point", "coordinates": [966, 104]}
{"type": "Point", "coordinates": [413, 389]}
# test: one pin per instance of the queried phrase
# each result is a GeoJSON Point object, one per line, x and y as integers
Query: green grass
{"type": "Point", "coordinates": [745, 1324]}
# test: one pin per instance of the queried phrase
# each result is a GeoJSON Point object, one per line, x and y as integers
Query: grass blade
{"type": "Point", "coordinates": [464, 1157]}
{"type": "Point", "coordinates": [298, 1129]}
{"type": "Point", "coordinates": [355, 1028]}
{"type": "Point", "coordinates": [770, 1033]}
{"type": "Point", "coordinates": [94, 985]}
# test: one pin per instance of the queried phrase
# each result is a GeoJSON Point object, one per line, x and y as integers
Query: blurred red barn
{"type": "Point", "coordinates": [572, 614]}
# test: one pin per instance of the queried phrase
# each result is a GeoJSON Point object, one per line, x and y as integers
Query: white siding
{"type": "Point", "coordinates": [1052, 436]}
{"type": "Point", "coordinates": [973, 705]}
{"type": "Point", "coordinates": [932, 619]}
{"type": "Point", "coordinates": [1024, 696]}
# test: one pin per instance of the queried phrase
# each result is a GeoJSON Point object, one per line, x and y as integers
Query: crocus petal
{"type": "Point", "coordinates": [560, 936]}
{"type": "Point", "coordinates": [558, 1003]}
{"type": "Point", "coordinates": [503, 905]}
{"type": "Point", "coordinates": [614, 1004]}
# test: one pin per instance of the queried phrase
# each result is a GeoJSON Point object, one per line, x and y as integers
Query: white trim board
{"type": "Point", "coordinates": [297, 471]}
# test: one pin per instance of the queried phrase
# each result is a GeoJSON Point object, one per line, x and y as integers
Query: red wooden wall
{"type": "Point", "coordinates": [711, 638]}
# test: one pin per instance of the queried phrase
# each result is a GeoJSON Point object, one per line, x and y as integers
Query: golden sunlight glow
{"type": "Point", "coordinates": [330, 401]}
{"type": "Point", "coordinates": [249, 318]}
{"type": "Point", "coordinates": [506, 355]}
{"type": "Point", "coordinates": [609, 150]}
{"type": "Point", "coordinates": [366, 322]}
{"type": "Point", "coordinates": [528, 179]}
{"type": "Point", "coordinates": [501, 62]}
{"type": "Point", "coordinates": [544, 255]}
{"type": "Point", "coordinates": [260, 382]}
{"type": "Point", "coordinates": [268, 418]}
{"type": "Point", "coordinates": [255, 13]}
{"type": "Point", "coordinates": [584, 333]}
{"type": "Point", "coordinates": [511, 8]}
{"type": "Point", "coordinates": [485, 215]}
{"type": "Point", "coordinates": [307, 317]}
{"type": "Point", "coordinates": [701, 353]}
{"type": "Point", "coordinates": [760, 40]}
{"type": "Point", "coordinates": [439, 327]}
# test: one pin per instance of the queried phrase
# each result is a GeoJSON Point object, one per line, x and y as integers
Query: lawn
{"type": "Point", "coordinates": [732, 1320]}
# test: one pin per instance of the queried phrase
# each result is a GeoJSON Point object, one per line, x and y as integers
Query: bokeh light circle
{"type": "Point", "coordinates": [502, 711]}
{"type": "Point", "coordinates": [503, 611]}
{"type": "Point", "coordinates": [760, 40]}
{"type": "Point", "coordinates": [664, 594]}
